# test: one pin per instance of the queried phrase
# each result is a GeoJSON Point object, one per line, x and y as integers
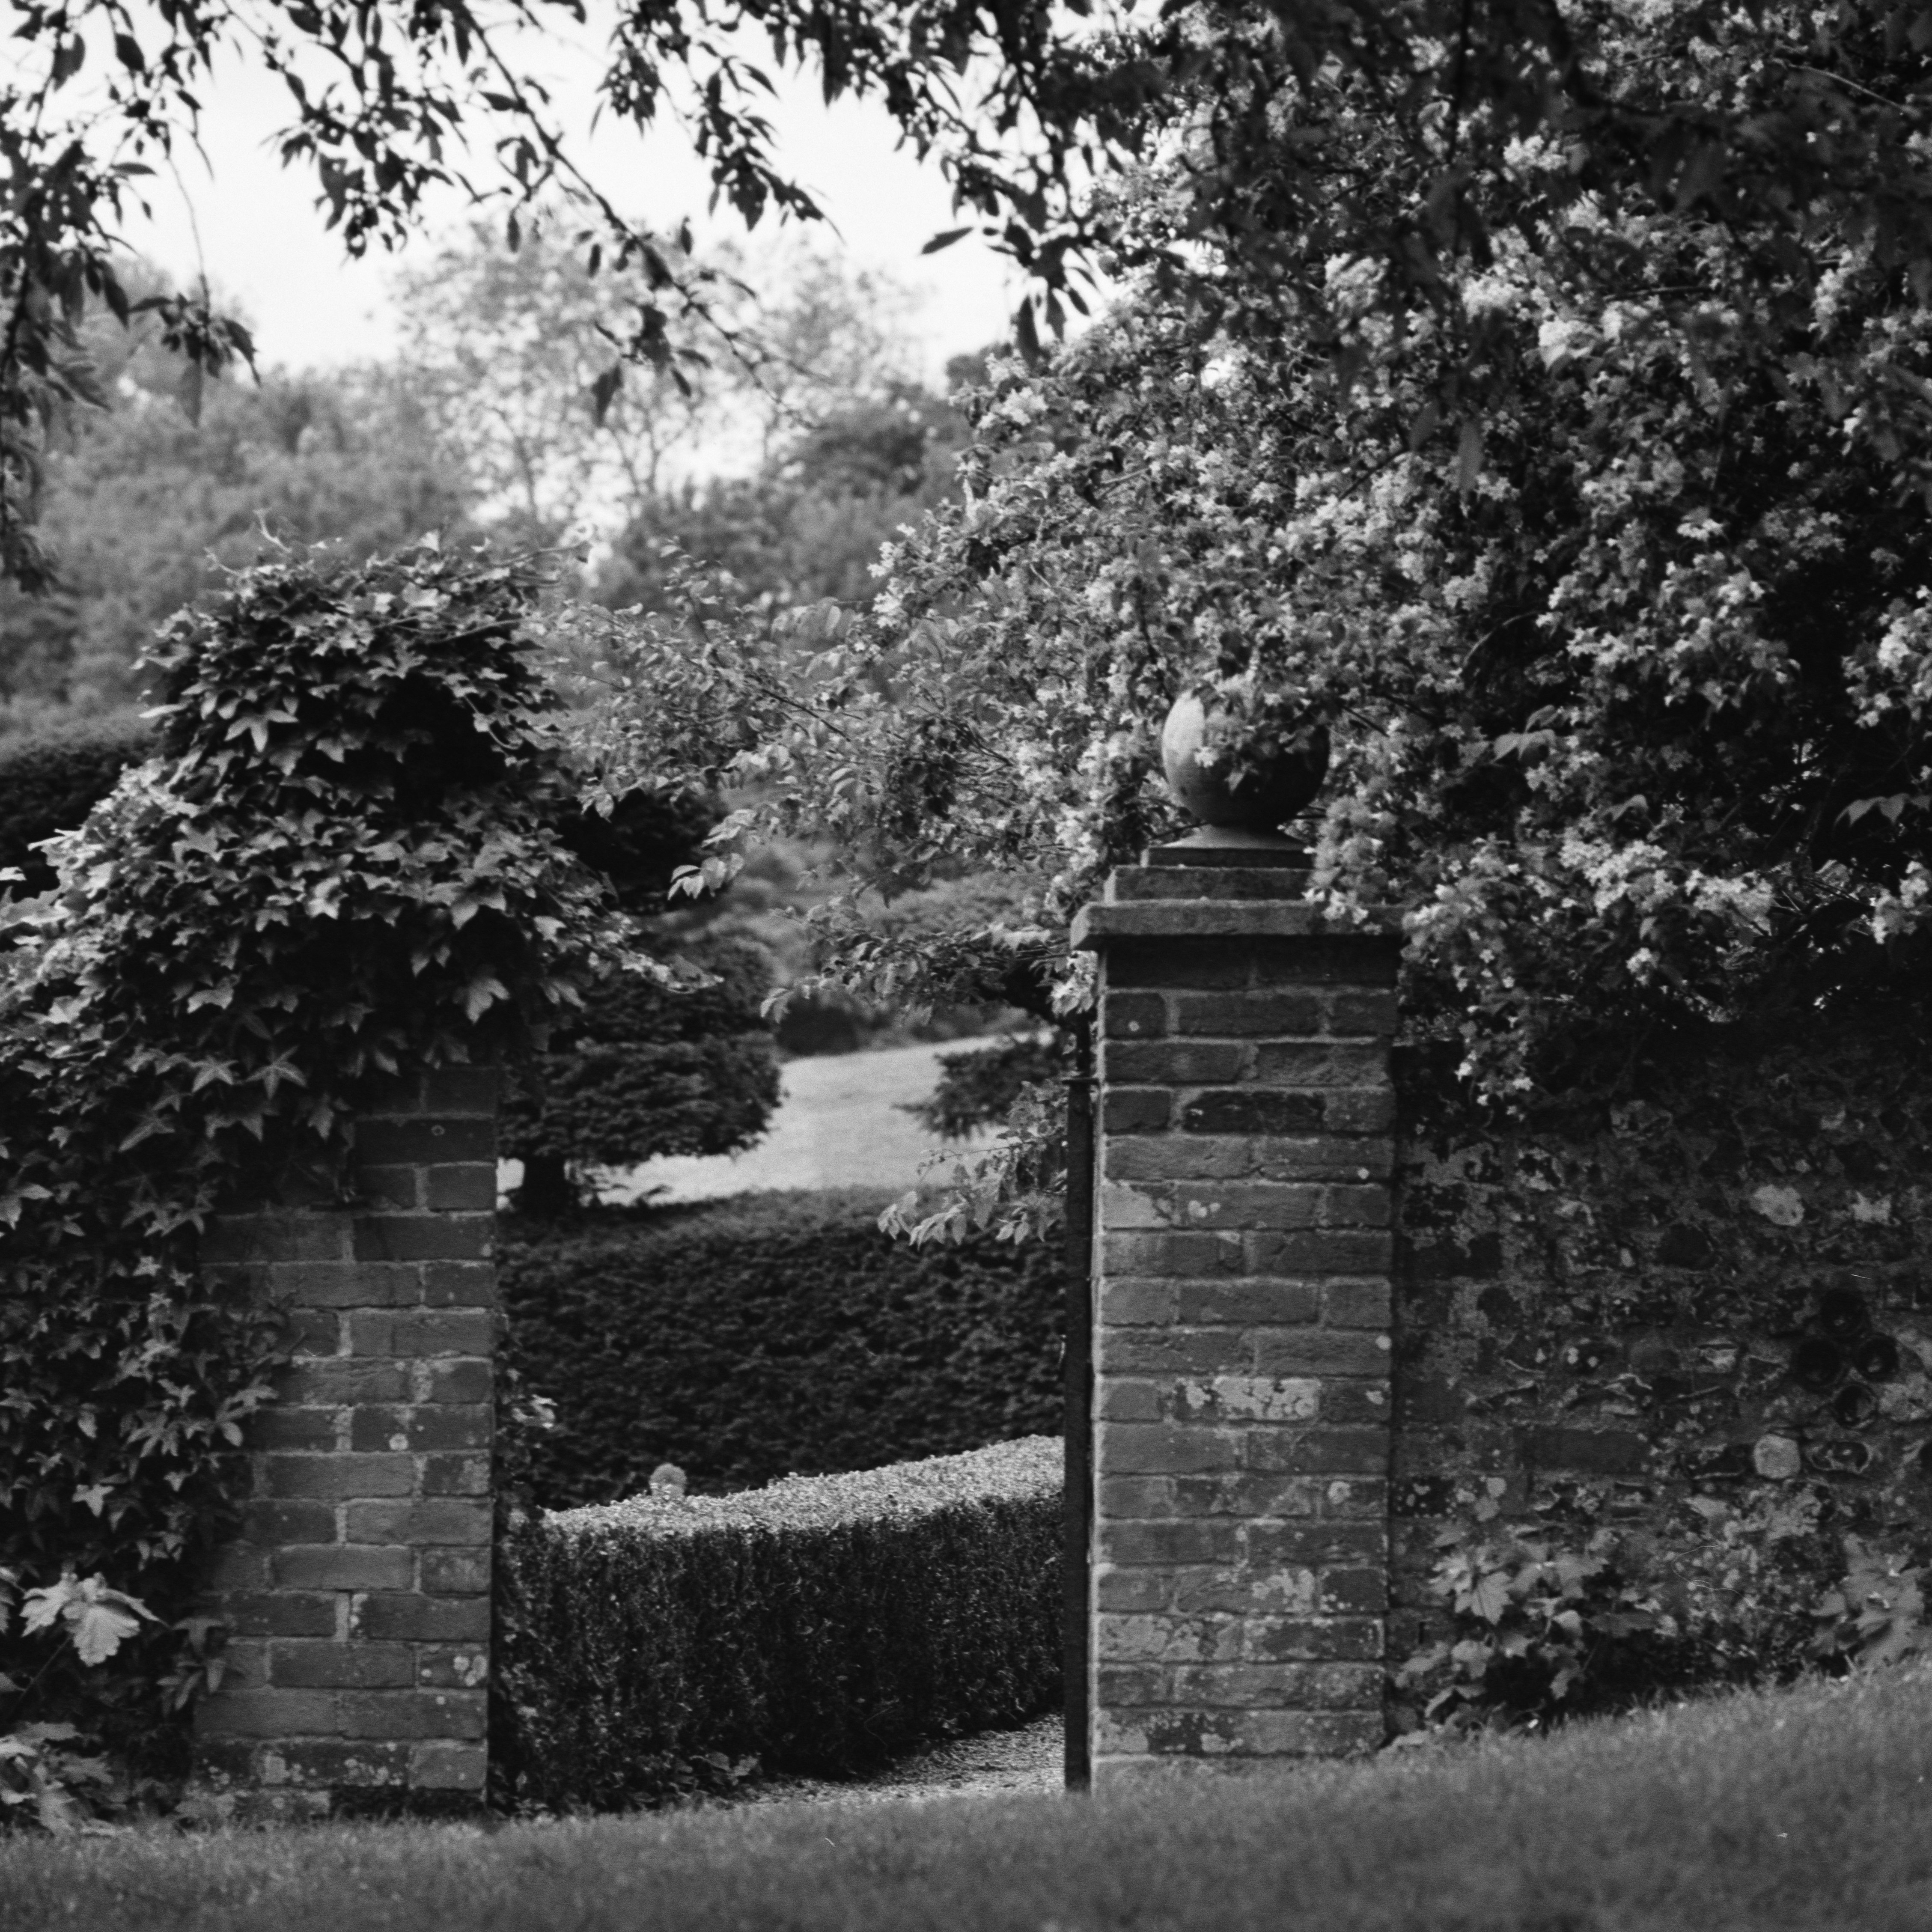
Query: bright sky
{"type": "Point", "coordinates": [265, 247]}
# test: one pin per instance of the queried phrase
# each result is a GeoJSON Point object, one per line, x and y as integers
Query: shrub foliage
{"type": "Point", "coordinates": [341, 861]}
{"type": "Point", "coordinates": [818, 1624]}
{"type": "Point", "coordinates": [747, 1339]}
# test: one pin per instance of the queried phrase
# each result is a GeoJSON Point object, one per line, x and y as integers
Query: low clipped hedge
{"type": "Point", "coordinates": [769, 1335]}
{"type": "Point", "coordinates": [653, 1646]}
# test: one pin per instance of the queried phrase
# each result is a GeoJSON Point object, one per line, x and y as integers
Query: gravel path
{"type": "Point", "coordinates": [989, 1764]}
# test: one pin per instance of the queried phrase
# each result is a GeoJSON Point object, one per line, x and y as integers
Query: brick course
{"type": "Point", "coordinates": [1241, 1350]}
{"type": "Point", "coordinates": [356, 1597]}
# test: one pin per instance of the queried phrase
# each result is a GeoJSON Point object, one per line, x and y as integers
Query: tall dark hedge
{"type": "Point", "coordinates": [770, 1334]}
{"type": "Point", "coordinates": [50, 780]}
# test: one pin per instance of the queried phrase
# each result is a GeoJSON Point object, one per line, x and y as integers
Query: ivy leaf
{"type": "Point", "coordinates": [1490, 1597]}
{"type": "Point", "coordinates": [13, 1202]}
{"type": "Point", "coordinates": [41, 1609]}
{"type": "Point", "coordinates": [481, 994]}
{"type": "Point", "coordinates": [103, 1620]}
{"type": "Point", "coordinates": [150, 1124]}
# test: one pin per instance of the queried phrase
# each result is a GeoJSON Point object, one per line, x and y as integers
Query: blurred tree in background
{"type": "Point", "coordinates": [144, 502]}
{"type": "Point", "coordinates": [810, 521]}
{"type": "Point", "coordinates": [788, 458]}
{"type": "Point", "coordinates": [648, 1070]}
{"type": "Point", "coordinates": [790, 467]}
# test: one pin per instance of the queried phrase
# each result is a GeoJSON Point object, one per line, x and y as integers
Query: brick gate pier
{"type": "Point", "coordinates": [1241, 1350]}
{"type": "Point", "coordinates": [357, 1596]}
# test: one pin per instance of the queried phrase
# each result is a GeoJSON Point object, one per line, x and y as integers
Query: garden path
{"type": "Point", "coordinates": [989, 1764]}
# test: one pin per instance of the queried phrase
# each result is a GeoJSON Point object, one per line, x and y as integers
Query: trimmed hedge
{"type": "Point", "coordinates": [769, 1334]}
{"type": "Point", "coordinates": [50, 781]}
{"type": "Point", "coordinates": [650, 1647]}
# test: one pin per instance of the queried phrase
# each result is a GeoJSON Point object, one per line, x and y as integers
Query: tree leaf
{"type": "Point", "coordinates": [604, 392]}
{"type": "Point", "coordinates": [1490, 1597]}
{"type": "Point", "coordinates": [1469, 455]}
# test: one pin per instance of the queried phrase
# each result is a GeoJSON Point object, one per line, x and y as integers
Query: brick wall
{"type": "Point", "coordinates": [1680, 1317]}
{"type": "Point", "coordinates": [357, 1597]}
{"type": "Point", "coordinates": [1683, 1313]}
{"type": "Point", "coordinates": [1241, 1350]}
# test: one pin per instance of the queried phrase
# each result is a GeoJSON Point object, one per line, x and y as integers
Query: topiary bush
{"type": "Point", "coordinates": [646, 1069]}
{"type": "Point", "coordinates": [654, 1645]}
{"type": "Point", "coordinates": [342, 861]}
{"type": "Point", "coordinates": [748, 1339]}
{"type": "Point", "coordinates": [51, 780]}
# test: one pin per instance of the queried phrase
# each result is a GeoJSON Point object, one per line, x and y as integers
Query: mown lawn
{"type": "Point", "coordinates": [1810, 1809]}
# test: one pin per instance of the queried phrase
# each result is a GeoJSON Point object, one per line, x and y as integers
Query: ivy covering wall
{"type": "Point", "coordinates": [342, 861]}
{"type": "Point", "coordinates": [1681, 1324]}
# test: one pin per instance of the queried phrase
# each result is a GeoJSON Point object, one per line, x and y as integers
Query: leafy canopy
{"type": "Point", "coordinates": [387, 100]}
{"type": "Point", "coordinates": [1770, 121]}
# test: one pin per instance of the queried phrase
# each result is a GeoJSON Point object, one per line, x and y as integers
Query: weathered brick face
{"type": "Point", "coordinates": [357, 1596]}
{"type": "Point", "coordinates": [1241, 1350]}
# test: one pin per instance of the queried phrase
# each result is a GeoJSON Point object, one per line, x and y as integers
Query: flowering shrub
{"type": "Point", "coordinates": [1587, 516]}
{"type": "Point", "coordinates": [340, 862]}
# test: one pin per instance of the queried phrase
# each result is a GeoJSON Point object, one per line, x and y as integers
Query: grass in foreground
{"type": "Point", "coordinates": [1775, 1812]}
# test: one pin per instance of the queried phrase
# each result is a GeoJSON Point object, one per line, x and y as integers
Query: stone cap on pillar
{"type": "Point", "coordinates": [1249, 916]}
{"type": "Point", "coordinates": [1166, 899]}
{"type": "Point", "coordinates": [1212, 845]}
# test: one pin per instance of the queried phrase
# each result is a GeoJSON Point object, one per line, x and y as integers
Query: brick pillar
{"type": "Point", "coordinates": [357, 1597]}
{"type": "Point", "coordinates": [1241, 1350]}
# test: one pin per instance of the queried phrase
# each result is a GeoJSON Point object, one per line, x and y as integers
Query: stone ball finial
{"type": "Point", "coordinates": [1263, 802]}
